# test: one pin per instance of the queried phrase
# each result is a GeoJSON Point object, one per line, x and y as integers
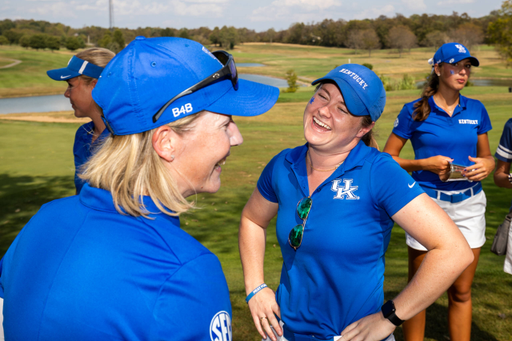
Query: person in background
{"type": "Point", "coordinates": [336, 201]}
{"type": "Point", "coordinates": [81, 74]}
{"type": "Point", "coordinates": [113, 263]}
{"type": "Point", "coordinates": [448, 132]}
{"type": "Point", "coordinates": [503, 178]}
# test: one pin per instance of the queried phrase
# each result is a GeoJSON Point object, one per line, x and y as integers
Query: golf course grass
{"type": "Point", "coordinates": [36, 166]}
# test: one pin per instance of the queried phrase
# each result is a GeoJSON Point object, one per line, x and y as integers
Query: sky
{"type": "Point", "coordinates": [259, 15]}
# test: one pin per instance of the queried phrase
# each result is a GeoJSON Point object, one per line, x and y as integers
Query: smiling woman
{"type": "Point", "coordinates": [336, 200]}
{"type": "Point", "coordinates": [168, 105]}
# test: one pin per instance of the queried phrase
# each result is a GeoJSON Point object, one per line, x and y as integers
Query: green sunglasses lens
{"type": "Point", "coordinates": [295, 236]}
{"type": "Point", "coordinates": [303, 207]}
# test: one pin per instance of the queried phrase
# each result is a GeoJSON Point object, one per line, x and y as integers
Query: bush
{"type": "Point", "coordinates": [4, 40]}
{"type": "Point", "coordinates": [368, 65]}
{"type": "Point", "coordinates": [406, 83]}
{"type": "Point", "coordinates": [291, 79]}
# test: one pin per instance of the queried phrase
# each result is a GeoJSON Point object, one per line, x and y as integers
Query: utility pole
{"type": "Point", "coordinates": [111, 14]}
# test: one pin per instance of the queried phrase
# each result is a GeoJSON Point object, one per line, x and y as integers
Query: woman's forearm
{"type": "Point", "coordinates": [251, 242]}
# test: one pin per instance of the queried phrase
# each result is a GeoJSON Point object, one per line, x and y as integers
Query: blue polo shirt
{"type": "Point", "coordinates": [79, 270]}
{"type": "Point", "coordinates": [336, 276]}
{"type": "Point", "coordinates": [504, 150]}
{"type": "Point", "coordinates": [440, 134]}
{"type": "Point", "coordinates": [83, 149]}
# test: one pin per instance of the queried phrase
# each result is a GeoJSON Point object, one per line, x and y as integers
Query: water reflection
{"type": "Point", "coordinates": [34, 104]}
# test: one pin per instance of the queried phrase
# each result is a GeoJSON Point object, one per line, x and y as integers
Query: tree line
{"type": "Point", "coordinates": [399, 33]}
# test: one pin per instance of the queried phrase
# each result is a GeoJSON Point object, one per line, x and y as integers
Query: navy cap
{"type": "Point", "coordinates": [148, 72]}
{"type": "Point", "coordinates": [453, 53]}
{"type": "Point", "coordinates": [76, 67]}
{"type": "Point", "coordinates": [361, 88]}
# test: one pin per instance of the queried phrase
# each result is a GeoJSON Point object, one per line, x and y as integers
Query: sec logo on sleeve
{"type": "Point", "coordinates": [220, 327]}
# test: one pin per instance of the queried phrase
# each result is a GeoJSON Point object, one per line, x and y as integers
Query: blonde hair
{"type": "Point", "coordinates": [97, 56]}
{"type": "Point", "coordinates": [129, 168]}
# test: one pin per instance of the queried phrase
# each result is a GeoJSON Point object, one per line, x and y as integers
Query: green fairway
{"type": "Point", "coordinates": [36, 166]}
{"type": "Point", "coordinates": [309, 62]}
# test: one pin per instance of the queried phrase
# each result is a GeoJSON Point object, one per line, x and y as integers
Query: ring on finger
{"type": "Point", "coordinates": [263, 318]}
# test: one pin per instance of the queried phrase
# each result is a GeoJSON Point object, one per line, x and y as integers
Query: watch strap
{"type": "Point", "coordinates": [388, 310]}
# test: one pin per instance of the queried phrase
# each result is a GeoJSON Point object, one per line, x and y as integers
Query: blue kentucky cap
{"type": "Point", "coordinates": [76, 67]}
{"type": "Point", "coordinates": [141, 80]}
{"type": "Point", "coordinates": [361, 88]}
{"type": "Point", "coordinates": [453, 53]}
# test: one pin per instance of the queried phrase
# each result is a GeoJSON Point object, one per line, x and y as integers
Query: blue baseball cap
{"type": "Point", "coordinates": [453, 53]}
{"type": "Point", "coordinates": [361, 88]}
{"type": "Point", "coordinates": [149, 72]}
{"type": "Point", "coordinates": [76, 67]}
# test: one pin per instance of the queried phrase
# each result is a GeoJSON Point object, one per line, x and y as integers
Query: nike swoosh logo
{"type": "Point", "coordinates": [411, 186]}
{"type": "Point", "coordinates": [64, 77]}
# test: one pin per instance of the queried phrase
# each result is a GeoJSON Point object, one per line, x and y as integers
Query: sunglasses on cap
{"type": "Point", "coordinates": [296, 234]}
{"type": "Point", "coordinates": [229, 69]}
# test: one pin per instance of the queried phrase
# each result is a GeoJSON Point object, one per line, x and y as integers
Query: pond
{"type": "Point", "coordinates": [61, 103]}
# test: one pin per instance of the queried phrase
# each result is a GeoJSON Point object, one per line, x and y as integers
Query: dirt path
{"type": "Point", "coordinates": [50, 117]}
{"type": "Point", "coordinates": [14, 63]}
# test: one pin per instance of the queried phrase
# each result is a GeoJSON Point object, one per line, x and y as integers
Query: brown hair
{"type": "Point", "coordinates": [129, 168]}
{"type": "Point", "coordinates": [97, 56]}
{"type": "Point", "coordinates": [422, 108]}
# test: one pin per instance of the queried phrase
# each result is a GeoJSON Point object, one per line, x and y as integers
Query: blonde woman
{"type": "Point", "coordinates": [113, 262]}
{"type": "Point", "coordinates": [81, 74]}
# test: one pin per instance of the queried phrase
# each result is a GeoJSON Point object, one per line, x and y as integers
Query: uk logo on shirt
{"type": "Point", "coordinates": [346, 191]}
{"type": "Point", "coordinates": [220, 327]}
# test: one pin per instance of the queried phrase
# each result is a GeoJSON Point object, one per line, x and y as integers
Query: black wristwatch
{"type": "Point", "coordinates": [388, 310]}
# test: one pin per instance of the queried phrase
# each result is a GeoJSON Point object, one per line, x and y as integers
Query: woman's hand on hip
{"type": "Point", "coordinates": [373, 327]}
{"type": "Point", "coordinates": [481, 169]}
{"type": "Point", "coordinates": [264, 309]}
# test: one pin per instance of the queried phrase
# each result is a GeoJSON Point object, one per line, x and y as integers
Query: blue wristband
{"type": "Point", "coordinates": [255, 291]}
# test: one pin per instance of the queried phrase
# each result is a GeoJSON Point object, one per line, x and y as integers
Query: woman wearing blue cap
{"type": "Point", "coordinates": [449, 135]}
{"type": "Point", "coordinates": [336, 200]}
{"type": "Point", "coordinates": [113, 263]}
{"type": "Point", "coordinates": [81, 74]}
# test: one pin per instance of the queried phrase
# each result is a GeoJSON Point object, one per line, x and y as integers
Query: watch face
{"type": "Point", "coordinates": [388, 308]}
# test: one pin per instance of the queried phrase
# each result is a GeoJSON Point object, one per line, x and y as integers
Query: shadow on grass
{"type": "Point", "coordinates": [22, 196]}
{"type": "Point", "coordinates": [437, 324]}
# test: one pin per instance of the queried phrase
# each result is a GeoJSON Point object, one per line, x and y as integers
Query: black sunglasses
{"type": "Point", "coordinates": [229, 69]}
{"type": "Point", "coordinates": [296, 234]}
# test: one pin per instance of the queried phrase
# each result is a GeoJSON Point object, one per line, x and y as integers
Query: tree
{"type": "Point", "coordinates": [270, 34]}
{"type": "Point", "coordinates": [401, 38]}
{"type": "Point", "coordinates": [106, 40]}
{"type": "Point", "coordinates": [363, 39]}
{"type": "Point", "coordinates": [74, 43]}
{"type": "Point", "coordinates": [467, 34]}
{"type": "Point", "coordinates": [168, 32]}
{"type": "Point", "coordinates": [53, 43]}
{"type": "Point", "coordinates": [25, 41]}
{"type": "Point", "coordinates": [436, 39]}
{"type": "Point", "coordinates": [119, 40]}
{"type": "Point", "coordinates": [4, 40]}
{"type": "Point", "coordinates": [12, 36]}
{"type": "Point", "coordinates": [38, 41]}
{"type": "Point", "coordinates": [500, 31]}
{"type": "Point", "coordinates": [291, 79]}
{"type": "Point", "coordinates": [228, 37]}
